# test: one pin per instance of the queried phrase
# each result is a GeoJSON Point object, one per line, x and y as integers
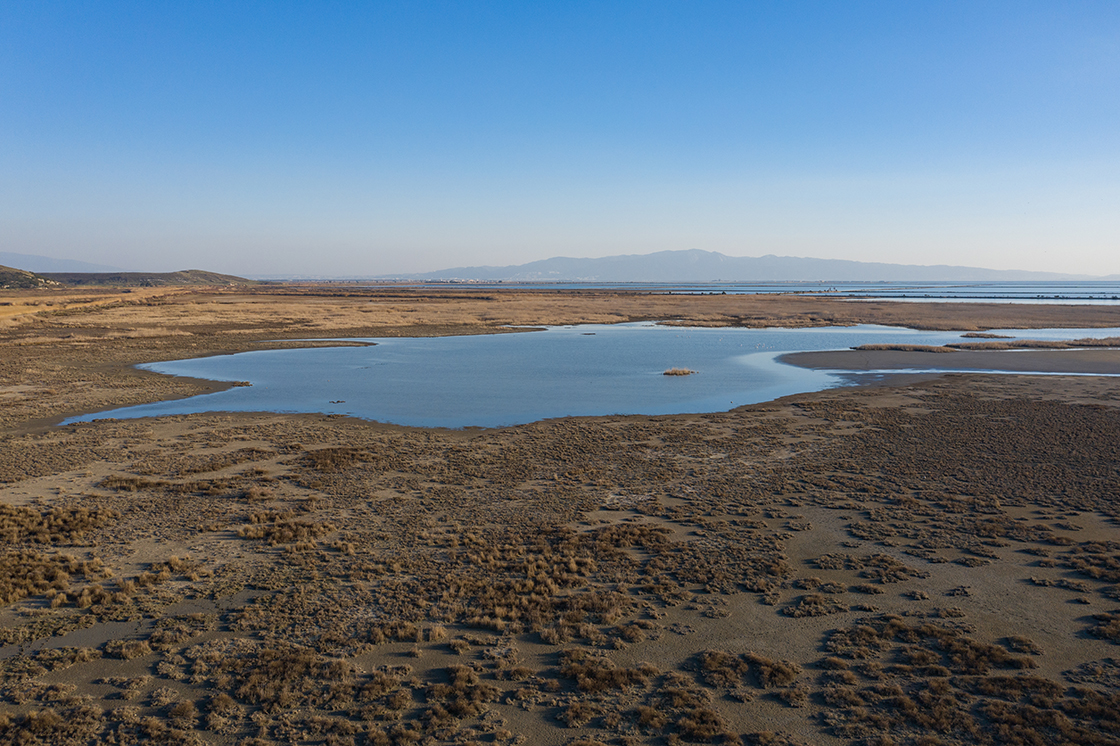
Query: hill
{"type": "Point", "coordinates": [10, 277]}
{"type": "Point", "coordinates": [694, 265]}
{"type": "Point", "coordinates": [145, 279]}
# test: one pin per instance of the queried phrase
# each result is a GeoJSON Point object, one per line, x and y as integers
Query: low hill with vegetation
{"type": "Point", "coordinates": [146, 279]}
{"type": "Point", "coordinates": [11, 277]}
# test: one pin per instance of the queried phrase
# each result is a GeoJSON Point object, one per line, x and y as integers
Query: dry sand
{"type": "Point", "coordinates": [935, 561]}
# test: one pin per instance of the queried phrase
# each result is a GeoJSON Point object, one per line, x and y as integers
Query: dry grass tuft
{"type": "Point", "coordinates": [51, 526]}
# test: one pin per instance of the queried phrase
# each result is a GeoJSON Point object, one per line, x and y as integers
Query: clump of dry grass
{"type": "Point", "coordinates": [335, 459]}
{"type": "Point", "coordinates": [1039, 344]}
{"type": "Point", "coordinates": [24, 574]}
{"type": "Point", "coordinates": [127, 649]}
{"type": "Point", "coordinates": [171, 632]}
{"type": "Point", "coordinates": [1107, 626]}
{"type": "Point", "coordinates": [462, 696]}
{"type": "Point", "coordinates": [598, 674]}
{"type": "Point", "coordinates": [703, 724]}
{"type": "Point", "coordinates": [814, 604]}
{"type": "Point", "coordinates": [721, 669]}
{"type": "Point", "coordinates": [51, 526]}
{"type": "Point", "coordinates": [122, 483]}
{"type": "Point", "coordinates": [285, 531]}
{"type": "Point", "coordinates": [901, 348]}
{"type": "Point", "coordinates": [74, 725]}
{"type": "Point", "coordinates": [272, 677]}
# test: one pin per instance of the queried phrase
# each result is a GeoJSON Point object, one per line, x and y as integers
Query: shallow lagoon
{"type": "Point", "coordinates": [495, 380]}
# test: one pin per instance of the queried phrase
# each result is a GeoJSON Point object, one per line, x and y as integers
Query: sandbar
{"type": "Point", "coordinates": [1099, 362]}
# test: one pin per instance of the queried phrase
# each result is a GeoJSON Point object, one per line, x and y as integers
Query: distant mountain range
{"type": "Point", "coordinates": [694, 265]}
{"type": "Point", "coordinates": [35, 263]}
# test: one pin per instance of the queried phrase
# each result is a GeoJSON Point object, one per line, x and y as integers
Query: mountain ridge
{"type": "Point", "coordinates": [38, 264]}
{"type": "Point", "coordinates": [695, 265]}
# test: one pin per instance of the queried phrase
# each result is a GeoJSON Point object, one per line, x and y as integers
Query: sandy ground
{"type": "Point", "coordinates": [935, 560]}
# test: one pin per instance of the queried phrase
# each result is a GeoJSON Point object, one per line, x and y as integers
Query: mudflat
{"type": "Point", "coordinates": [1105, 362]}
{"type": "Point", "coordinates": [935, 561]}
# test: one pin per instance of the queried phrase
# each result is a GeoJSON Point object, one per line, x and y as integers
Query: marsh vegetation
{"type": "Point", "coordinates": [926, 563]}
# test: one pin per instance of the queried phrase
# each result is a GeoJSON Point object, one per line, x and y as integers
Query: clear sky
{"type": "Point", "coordinates": [363, 138]}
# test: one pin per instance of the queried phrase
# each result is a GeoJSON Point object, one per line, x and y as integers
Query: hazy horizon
{"type": "Point", "coordinates": [353, 140]}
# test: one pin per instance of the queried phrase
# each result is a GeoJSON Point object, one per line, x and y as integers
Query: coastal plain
{"type": "Point", "coordinates": [930, 559]}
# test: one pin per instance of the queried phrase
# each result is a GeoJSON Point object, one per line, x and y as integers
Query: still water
{"type": "Point", "coordinates": [506, 379]}
{"type": "Point", "coordinates": [1085, 292]}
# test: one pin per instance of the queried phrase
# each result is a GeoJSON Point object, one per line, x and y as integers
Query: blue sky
{"type": "Point", "coordinates": [330, 138]}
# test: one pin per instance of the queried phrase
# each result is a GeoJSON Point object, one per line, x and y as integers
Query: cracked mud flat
{"type": "Point", "coordinates": [935, 561]}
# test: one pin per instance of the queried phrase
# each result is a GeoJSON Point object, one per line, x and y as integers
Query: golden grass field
{"type": "Point", "coordinates": [931, 560]}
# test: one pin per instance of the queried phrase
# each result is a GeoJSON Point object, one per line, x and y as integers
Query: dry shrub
{"type": "Point", "coordinates": [276, 677]}
{"type": "Point", "coordinates": [127, 649]}
{"type": "Point", "coordinates": [772, 673]}
{"type": "Point", "coordinates": [173, 631]}
{"type": "Point", "coordinates": [969, 703]}
{"type": "Point", "coordinates": [1021, 644]}
{"type": "Point", "coordinates": [1096, 559]}
{"type": "Point", "coordinates": [794, 696]}
{"type": "Point", "coordinates": [814, 604]}
{"type": "Point", "coordinates": [902, 348]}
{"type": "Point", "coordinates": [184, 715]}
{"type": "Point", "coordinates": [257, 494]}
{"type": "Point", "coordinates": [130, 686]}
{"type": "Point", "coordinates": [336, 458]}
{"type": "Point", "coordinates": [463, 696]}
{"type": "Point", "coordinates": [54, 659]}
{"type": "Point", "coordinates": [650, 717]}
{"type": "Point", "coordinates": [1039, 344]}
{"type": "Point", "coordinates": [596, 674]}
{"type": "Point", "coordinates": [222, 703]}
{"type": "Point", "coordinates": [24, 574]}
{"type": "Point", "coordinates": [1107, 626]}
{"type": "Point", "coordinates": [721, 669]}
{"type": "Point", "coordinates": [119, 483]}
{"type": "Point", "coordinates": [578, 714]}
{"type": "Point", "coordinates": [48, 727]}
{"type": "Point", "coordinates": [702, 725]}
{"type": "Point", "coordinates": [285, 532]}
{"type": "Point", "coordinates": [51, 526]}
{"type": "Point", "coordinates": [870, 590]}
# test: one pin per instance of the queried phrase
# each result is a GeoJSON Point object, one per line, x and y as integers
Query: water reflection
{"type": "Point", "coordinates": [507, 379]}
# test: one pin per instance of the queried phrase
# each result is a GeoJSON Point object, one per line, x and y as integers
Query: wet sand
{"type": "Point", "coordinates": [932, 559]}
{"type": "Point", "coordinates": [1096, 362]}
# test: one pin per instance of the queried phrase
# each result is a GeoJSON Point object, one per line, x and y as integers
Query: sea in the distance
{"type": "Point", "coordinates": [496, 380]}
{"type": "Point", "coordinates": [1086, 292]}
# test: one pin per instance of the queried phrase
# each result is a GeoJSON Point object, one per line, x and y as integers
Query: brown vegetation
{"type": "Point", "coordinates": [353, 583]}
